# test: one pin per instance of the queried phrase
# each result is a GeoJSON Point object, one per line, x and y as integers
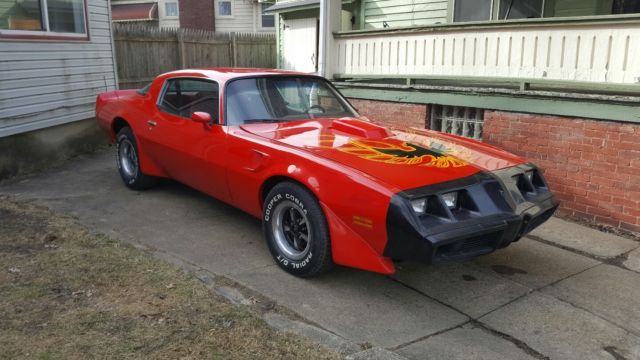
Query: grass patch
{"type": "Point", "coordinates": [69, 294]}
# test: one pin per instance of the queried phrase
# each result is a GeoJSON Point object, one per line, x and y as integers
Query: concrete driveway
{"type": "Point", "coordinates": [566, 292]}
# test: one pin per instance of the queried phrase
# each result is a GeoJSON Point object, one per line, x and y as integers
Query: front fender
{"type": "Point", "coordinates": [355, 214]}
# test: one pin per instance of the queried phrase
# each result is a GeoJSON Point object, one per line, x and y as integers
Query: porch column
{"type": "Point", "coordinates": [330, 11]}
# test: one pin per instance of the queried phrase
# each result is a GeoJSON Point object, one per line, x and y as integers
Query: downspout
{"type": "Point", "coordinates": [113, 46]}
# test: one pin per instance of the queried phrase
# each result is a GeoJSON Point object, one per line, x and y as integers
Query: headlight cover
{"type": "Point", "coordinates": [451, 199]}
{"type": "Point", "coordinates": [419, 205]}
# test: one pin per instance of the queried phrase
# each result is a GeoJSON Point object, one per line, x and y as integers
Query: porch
{"type": "Point", "coordinates": [599, 55]}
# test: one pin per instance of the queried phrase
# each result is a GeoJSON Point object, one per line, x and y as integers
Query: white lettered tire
{"type": "Point", "coordinates": [128, 162]}
{"type": "Point", "coordinates": [296, 230]}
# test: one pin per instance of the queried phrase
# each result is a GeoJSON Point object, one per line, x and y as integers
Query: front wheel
{"type": "Point", "coordinates": [128, 163]}
{"type": "Point", "coordinates": [296, 230]}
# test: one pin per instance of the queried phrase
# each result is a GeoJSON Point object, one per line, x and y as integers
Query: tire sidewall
{"type": "Point", "coordinates": [126, 134]}
{"type": "Point", "coordinates": [313, 259]}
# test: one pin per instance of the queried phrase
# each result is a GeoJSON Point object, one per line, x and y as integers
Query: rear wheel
{"type": "Point", "coordinates": [296, 230]}
{"type": "Point", "coordinates": [128, 162]}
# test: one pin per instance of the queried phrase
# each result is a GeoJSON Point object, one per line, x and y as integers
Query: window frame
{"type": "Point", "coordinates": [217, 10]}
{"type": "Point", "coordinates": [261, 14]}
{"type": "Point", "coordinates": [494, 13]}
{"type": "Point", "coordinates": [177, 10]}
{"type": "Point", "coordinates": [6, 34]}
{"type": "Point", "coordinates": [165, 86]}
{"type": "Point", "coordinates": [491, 11]}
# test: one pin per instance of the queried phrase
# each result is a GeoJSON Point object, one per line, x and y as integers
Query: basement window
{"type": "Point", "coordinates": [458, 120]}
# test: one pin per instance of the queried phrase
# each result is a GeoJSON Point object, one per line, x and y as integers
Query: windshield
{"type": "Point", "coordinates": [276, 99]}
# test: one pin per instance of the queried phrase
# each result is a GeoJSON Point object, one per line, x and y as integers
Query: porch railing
{"type": "Point", "coordinates": [598, 52]}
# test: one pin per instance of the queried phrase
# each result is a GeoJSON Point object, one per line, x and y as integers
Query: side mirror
{"type": "Point", "coordinates": [201, 117]}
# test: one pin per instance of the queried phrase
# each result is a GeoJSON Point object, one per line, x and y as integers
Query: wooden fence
{"type": "Point", "coordinates": [144, 52]}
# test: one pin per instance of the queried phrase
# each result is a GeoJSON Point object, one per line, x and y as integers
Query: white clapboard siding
{"type": "Point", "coordinates": [243, 17]}
{"type": "Point", "coordinates": [402, 13]}
{"type": "Point", "coordinates": [52, 82]}
{"type": "Point", "coordinates": [592, 52]}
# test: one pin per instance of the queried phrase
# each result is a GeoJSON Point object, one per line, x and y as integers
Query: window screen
{"type": "Point", "coordinates": [224, 8]}
{"type": "Point", "coordinates": [520, 9]}
{"type": "Point", "coordinates": [66, 16]}
{"type": "Point", "coordinates": [21, 15]}
{"type": "Point", "coordinates": [472, 10]}
{"type": "Point", "coordinates": [626, 6]}
{"type": "Point", "coordinates": [268, 21]}
{"type": "Point", "coordinates": [171, 9]}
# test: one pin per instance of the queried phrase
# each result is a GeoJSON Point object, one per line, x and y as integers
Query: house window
{"type": "Point", "coordinates": [472, 10]}
{"type": "Point", "coordinates": [458, 120]}
{"type": "Point", "coordinates": [225, 8]}
{"type": "Point", "coordinates": [171, 9]}
{"type": "Point", "coordinates": [626, 6]}
{"type": "Point", "coordinates": [520, 9]}
{"type": "Point", "coordinates": [484, 10]}
{"type": "Point", "coordinates": [267, 21]}
{"type": "Point", "coordinates": [48, 16]}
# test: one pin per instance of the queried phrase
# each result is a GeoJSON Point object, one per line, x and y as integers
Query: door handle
{"type": "Point", "coordinates": [152, 122]}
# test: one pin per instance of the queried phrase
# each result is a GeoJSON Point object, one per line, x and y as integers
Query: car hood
{"type": "Point", "coordinates": [405, 159]}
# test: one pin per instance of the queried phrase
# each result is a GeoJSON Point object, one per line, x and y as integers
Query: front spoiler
{"type": "Point", "coordinates": [498, 219]}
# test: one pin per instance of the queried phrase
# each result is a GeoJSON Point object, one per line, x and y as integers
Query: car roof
{"type": "Point", "coordinates": [226, 73]}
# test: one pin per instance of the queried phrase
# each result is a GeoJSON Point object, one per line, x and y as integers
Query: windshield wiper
{"type": "Point", "coordinates": [252, 121]}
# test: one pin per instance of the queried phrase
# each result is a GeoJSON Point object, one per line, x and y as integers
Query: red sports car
{"type": "Point", "coordinates": [330, 187]}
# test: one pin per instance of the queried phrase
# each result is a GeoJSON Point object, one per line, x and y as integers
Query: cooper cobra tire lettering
{"type": "Point", "coordinates": [269, 207]}
{"type": "Point", "coordinates": [317, 255]}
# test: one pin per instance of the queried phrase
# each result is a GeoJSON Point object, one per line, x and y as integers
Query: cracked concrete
{"type": "Point", "coordinates": [632, 261]}
{"type": "Point", "coordinates": [567, 292]}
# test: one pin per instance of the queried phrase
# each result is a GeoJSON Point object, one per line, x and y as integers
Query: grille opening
{"type": "Point", "coordinates": [465, 202]}
{"type": "Point", "coordinates": [465, 206]}
{"type": "Point", "coordinates": [458, 120]}
{"type": "Point", "coordinates": [474, 245]}
{"type": "Point", "coordinates": [435, 207]}
{"type": "Point", "coordinates": [525, 187]}
{"type": "Point", "coordinates": [538, 181]}
{"type": "Point", "coordinates": [537, 221]}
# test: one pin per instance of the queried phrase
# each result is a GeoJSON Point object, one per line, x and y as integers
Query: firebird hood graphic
{"type": "Point", "coordinates": [399, 154]}
{"type": "Point", "coordinates": [404, 159]}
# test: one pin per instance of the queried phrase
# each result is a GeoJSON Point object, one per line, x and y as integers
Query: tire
{"type": "Point", "coordinates": [291, 214]}
{"type": "Point", "coordinates": [128, 164]}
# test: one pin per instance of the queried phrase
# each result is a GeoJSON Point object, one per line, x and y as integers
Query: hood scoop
{"type": "Point", "coordinates": [359, 128]}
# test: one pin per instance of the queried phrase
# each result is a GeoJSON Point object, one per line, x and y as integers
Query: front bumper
{"type": "Point", "coordinates": [495, 210]}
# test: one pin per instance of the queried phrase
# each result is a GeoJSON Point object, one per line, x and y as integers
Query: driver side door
{"type": "Point", "coordinates": [190, 152]}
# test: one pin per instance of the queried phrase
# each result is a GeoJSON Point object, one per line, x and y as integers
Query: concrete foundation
{"type": "Point", "coordinates": [37, 150]}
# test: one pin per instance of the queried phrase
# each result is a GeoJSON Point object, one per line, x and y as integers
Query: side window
{"type": "Point", "coordinates": [183, 97]}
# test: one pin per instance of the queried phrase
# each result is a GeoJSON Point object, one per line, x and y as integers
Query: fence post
{"type": "Point", "coordinates": [234, 50]}
{"type": "Point", "coordinates": [182, 53]}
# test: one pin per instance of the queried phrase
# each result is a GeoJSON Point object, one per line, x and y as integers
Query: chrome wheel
{"type": "Point", "coordinates": [128, 158]}
{"type": "Point", "coordinates": [291, 230]}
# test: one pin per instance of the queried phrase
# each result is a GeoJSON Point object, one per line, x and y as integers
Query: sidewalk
{"type": "Point", "coordinates": [564, 292]}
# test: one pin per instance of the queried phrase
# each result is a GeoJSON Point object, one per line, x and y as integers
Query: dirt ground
{"type": "Point", "coordinates": [68, 294]}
